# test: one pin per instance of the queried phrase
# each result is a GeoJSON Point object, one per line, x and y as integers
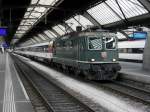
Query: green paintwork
{"type": "Point", "coordinates": [72, 50]}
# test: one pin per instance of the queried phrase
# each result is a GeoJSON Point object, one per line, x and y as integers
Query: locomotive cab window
{"type": "Point", "coordinates": [94, 43]}
{"type": "Point", "coordinates": [110, 43]}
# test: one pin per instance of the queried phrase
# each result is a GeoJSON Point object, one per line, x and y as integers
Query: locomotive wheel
{"type": "Point", "coordinates": [70, 70]}
{"type": "Point", "coordinates": [66, 70]}
{"type": "Point", "coordinates": [115, 76]}
{"type": "Point", "coordinates": [77, 72]}
{"type": "Point", "coordinates": [87, 75]}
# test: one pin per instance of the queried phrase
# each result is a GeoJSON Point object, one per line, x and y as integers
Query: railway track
{"type": "Point", "coordinates": [38, 102]}
{"type": "Point", "coordinates": [131, 89]}
{"type": "Point", "coordinates": [134, 90]}
{"type": "Point", "coordinates": [46, 96]}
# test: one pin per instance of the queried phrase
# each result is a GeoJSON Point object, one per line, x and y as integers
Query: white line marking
{"type": "Point", "coordinates": [8, 103]}
{"type": "Point", "coordinates": [23, 101]}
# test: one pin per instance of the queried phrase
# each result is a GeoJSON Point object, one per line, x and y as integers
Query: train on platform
{"type": "Point", "coordinates": [94, 54]}
{"type": "Point", "coordinates": [131, 50]}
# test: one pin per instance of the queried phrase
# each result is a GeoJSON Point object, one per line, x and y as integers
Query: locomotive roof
{"type": "Point", "coordinates": [88, 34]}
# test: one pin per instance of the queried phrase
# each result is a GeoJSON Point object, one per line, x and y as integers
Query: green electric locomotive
{"type": "Point", "coordinates": [93, 54]}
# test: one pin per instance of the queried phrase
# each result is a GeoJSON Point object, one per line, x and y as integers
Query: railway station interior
{"type": "Point", "coordinates": [75, 56]}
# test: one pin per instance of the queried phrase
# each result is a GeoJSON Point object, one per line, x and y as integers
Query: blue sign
{"type": "Point", "coordinates": [3, 31]}
{"type": "Point", "coordinates": [138, 35]}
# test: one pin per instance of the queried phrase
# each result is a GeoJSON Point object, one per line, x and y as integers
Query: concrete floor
{"type": "Point", "coordinates": [134, 71]}
{"type": "Point", "coordinates": [13, 97]}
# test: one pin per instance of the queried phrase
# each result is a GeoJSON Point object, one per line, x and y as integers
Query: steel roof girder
{"type": "Point", "coordinates": [45, 36]}
{"type": "Point", "coordinates": [67, 26]}
{"type": "Point", "coordinates": [91, 19]}
{"type": "Point", "coordinates": [113, 11]}
{"type": "Point", "coordinates": [124, 34]}
{"type": "Point", "coordinates": [146, 4]}
{"type": "Point", "coordinates": [52, 30]}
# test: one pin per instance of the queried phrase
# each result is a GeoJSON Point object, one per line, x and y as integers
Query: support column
{"type": "Point", "coordinates": [146, 54]}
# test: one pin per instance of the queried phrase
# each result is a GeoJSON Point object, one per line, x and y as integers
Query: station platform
{"type": "Point", "coordinates": [134, 71]}
{"type": "Point", "coordinates": [13, 97]}
{"type": "Point", "coordinates": [85, 91]}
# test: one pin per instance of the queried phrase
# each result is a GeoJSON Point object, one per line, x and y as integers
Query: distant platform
{"type": "Point", "coordinates": [13, 97]}
{"type": "Point", "coordinates": [134, 71]}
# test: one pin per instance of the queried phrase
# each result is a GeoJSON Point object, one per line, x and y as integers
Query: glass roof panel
{"type": "Point", "coordinates": [41, 36]}
{"type": "Point", "coordinates": [21, 24]}
{"type": "Point", "coordinates": [49, 34]}
{"type": "Point", "coordinates": [29, 9]}
{"type": "Point", "coordinates": [45, 35]}
{"type": "Point", "coordinates": [103, 14]}
{"type": "Point", "coordinates": [33, 41]}
{"type": "Point", "coordinates": [130, 8]}
{"type": "Point", "coordinates": [58, 30]}
{"type": "Point", "coordinates": [27, 14]}
{"type": "Point", "coordinates": [28, 20]}
{"type": "Point", "coordinates": [63, 28]}
{"type": "Point", "coordinates": [14, 41]}
{"type": "Point", "coordinates": [19, 31]}
{"type": "Point", "coordinates": [72, 23]}
{"type": "Point", "coordinates": [23, 27]}
{"type": "Point", "coordinates": [47, 2]}
{"type": "Point", "coordinates": [18, 35]}
{"type": "Point", "coordinates": [37, 38]}
{"type": "Point", "coordinates": [40, 9]}
{"type": "Point", "coordinates": [28, 42]}
{"type": "Point", "coordinates": [27, 23]}
{"type": "Point", "coordinates": [34, 1]}
{"type": "Point", "coordinates": [23, 21]}
{"type": "Point", "coordinates": [36, 12]}
{"type": "Point", "coordinates": [53, 33]}
{"type": "Point", "coordinates": [83, 21]}
{"type": "Point", "coordinates": [120, 35]}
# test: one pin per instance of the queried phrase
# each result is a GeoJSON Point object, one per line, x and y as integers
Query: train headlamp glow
{"type": "Point", "coordinates": [114, 59]}
{"type": "Point", "coordinates": [92, 59]}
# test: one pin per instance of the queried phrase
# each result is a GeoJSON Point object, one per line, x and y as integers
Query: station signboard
{"type": "Point", "coordinates": [3, 31]}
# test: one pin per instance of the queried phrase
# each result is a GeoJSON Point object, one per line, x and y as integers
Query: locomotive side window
{"type": "Point", "coordinates": [95, 43]}
{"type": "Point", "coordinates": [110, 43]}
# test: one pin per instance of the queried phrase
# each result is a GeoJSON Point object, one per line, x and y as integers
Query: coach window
{"type": "Point", "coordinates": [137, 50]}
{"type": "Point", "coordinates": [129, 50]}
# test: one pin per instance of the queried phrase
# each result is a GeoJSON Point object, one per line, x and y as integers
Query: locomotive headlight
{"type": "Point", "coordinates": [92, 59]}
{"type": "Point", "coordinates": [114, 59]}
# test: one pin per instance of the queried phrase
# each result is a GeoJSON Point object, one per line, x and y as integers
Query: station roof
{"type": "Point", "coordinates": [45, 20]}
{"type": "Point", "coordinates": [10, 16]}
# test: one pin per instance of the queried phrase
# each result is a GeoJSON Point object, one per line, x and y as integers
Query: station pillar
{"type": "Point", "coordinates": [146, 55]}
